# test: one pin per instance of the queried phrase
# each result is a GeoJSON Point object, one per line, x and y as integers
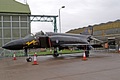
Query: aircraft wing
{"type": "Point", "coordinates": [74, 44]}
{"type": "Point", "coordinates": [78, 45]}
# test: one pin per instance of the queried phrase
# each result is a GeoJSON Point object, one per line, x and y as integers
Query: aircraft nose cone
{"type": "Point", "coordinates": [5, 46]}
{"type": "Point", "coordinates": [8, 45]}
{"type": "Point", "coordinates": [13, 45]}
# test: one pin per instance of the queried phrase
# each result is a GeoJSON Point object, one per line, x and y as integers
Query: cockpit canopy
{"type": "Point", "coordinates": [31, 35]}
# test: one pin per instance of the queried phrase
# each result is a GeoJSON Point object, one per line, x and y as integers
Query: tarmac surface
{"type": "Point", "coordinates": [100, 66]}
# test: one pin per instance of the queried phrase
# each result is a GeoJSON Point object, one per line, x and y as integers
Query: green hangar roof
{"type": "Point", "coordinates": [12, 6]}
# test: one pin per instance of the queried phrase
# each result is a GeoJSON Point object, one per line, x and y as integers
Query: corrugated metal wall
{"type": "Point", "coordinates": [13, 27]}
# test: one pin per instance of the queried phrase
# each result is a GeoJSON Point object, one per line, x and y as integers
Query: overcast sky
{"type": "Point", "coordinates": [76, 14]}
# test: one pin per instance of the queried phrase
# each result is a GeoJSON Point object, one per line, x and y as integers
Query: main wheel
{"type": "Point", "coordinates": [87, 53]}
{"type": "Point", "coordinates": [55, 54]}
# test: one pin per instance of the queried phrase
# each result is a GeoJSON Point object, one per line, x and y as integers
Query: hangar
{"type": "Point", "coordinates": [108, 32]}
{"type": "Point", "coordinates": [14, 20]}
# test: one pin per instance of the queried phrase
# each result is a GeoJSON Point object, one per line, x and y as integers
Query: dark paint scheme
{"type": "Point", "coordinates": [19, 44]}
{"type": "Point", "coordinates": [53, 40]}
{"type": "Point", "coordinates": [48, 40]}
{"type": "Point", "coordinates": [56, 41]}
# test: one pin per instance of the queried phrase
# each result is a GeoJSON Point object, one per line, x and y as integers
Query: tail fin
{"type": "Point", "coordinates": [87, 31]}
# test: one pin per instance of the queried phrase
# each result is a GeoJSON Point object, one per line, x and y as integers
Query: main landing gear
{"type": "Point", "coordinates": [55, 54]}
{"type": "Point", "coordinates": [87, 53]}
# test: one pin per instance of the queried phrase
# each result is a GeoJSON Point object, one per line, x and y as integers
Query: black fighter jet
{"type": "Point", "coordinates": [53, 40]}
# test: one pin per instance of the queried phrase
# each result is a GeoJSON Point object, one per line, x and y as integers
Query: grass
{"type": "Point", "coordinates": [47, 52]}
{"type": "Point", "coordinates": [10, 54]}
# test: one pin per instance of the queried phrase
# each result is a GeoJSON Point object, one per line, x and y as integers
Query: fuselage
{"type": "Point", "coordinates": [47, 40]}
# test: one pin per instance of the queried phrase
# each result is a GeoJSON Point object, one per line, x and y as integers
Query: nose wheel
{"type": "Point", "coordinates": [29, 59]}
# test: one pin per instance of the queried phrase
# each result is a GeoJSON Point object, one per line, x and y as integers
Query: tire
{"type": "Point", "coordinates": [87, 53]}
{"type": "Point", "coordinates": [55, 54]}
{"type": "Point", "coordinates": [29, 59]}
